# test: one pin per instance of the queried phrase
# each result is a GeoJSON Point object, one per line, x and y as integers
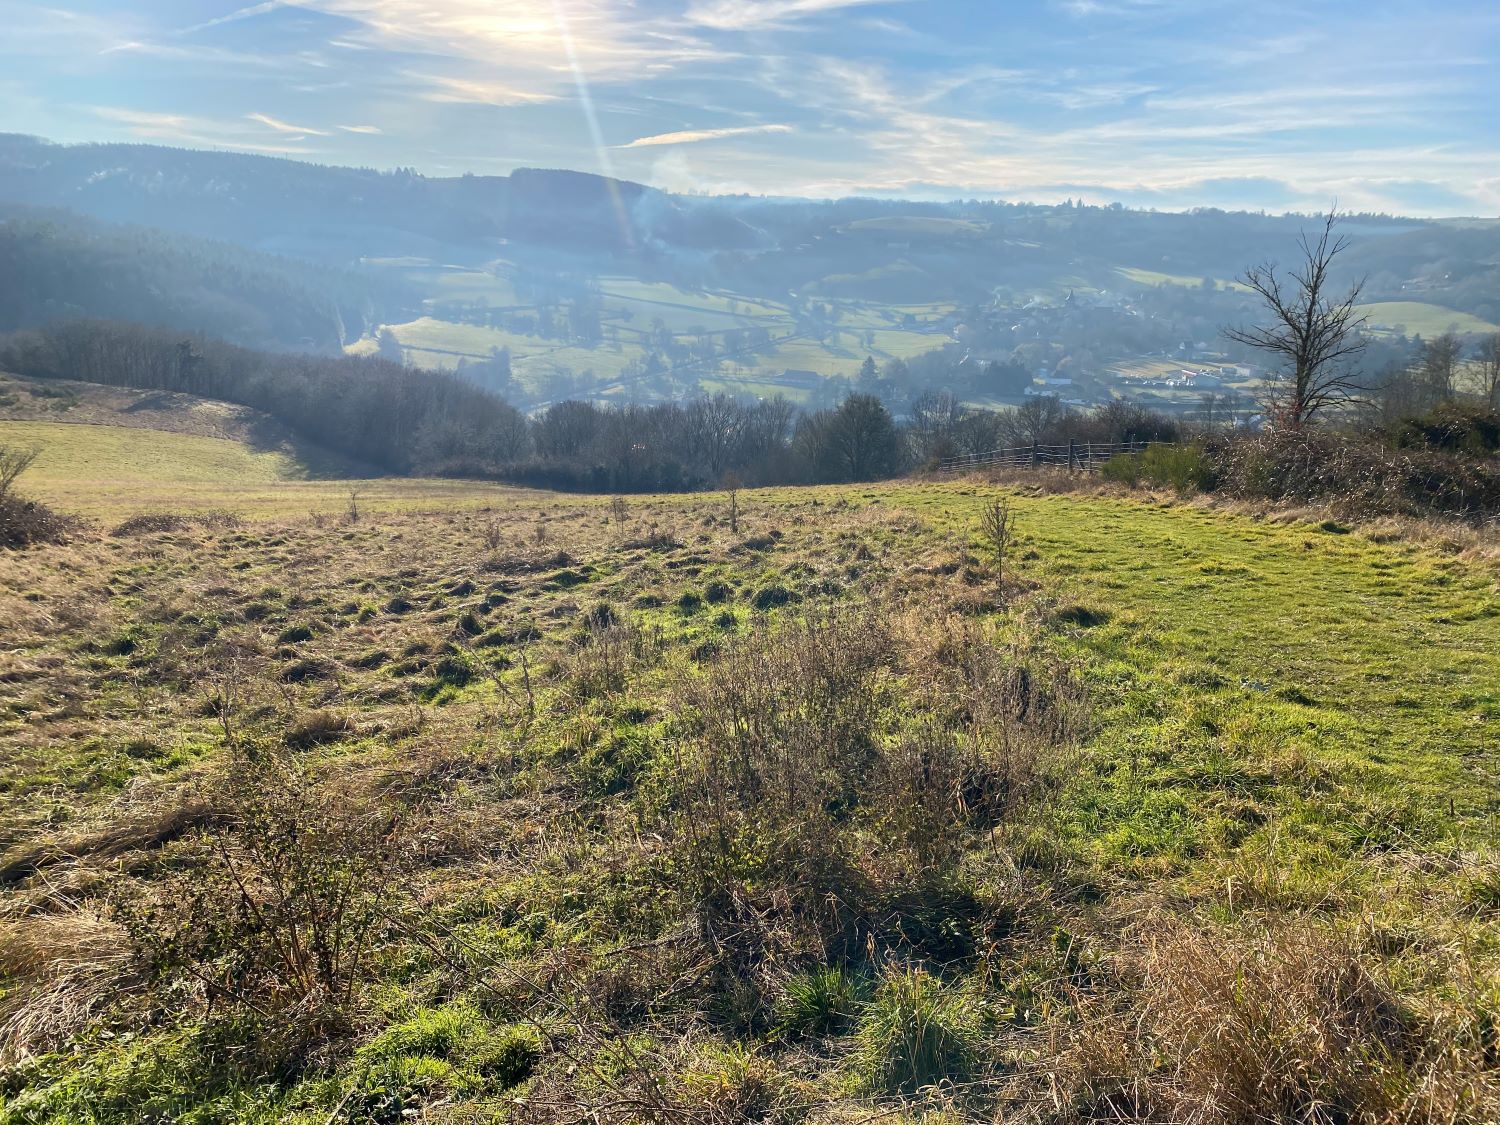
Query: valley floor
{"type": "Point", "coordinates": [801, 810]}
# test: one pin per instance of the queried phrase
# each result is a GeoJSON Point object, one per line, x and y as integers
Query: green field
{"type": "Point", "coordinates": [90, 456]}
{"type": "Point", "coordinates": [1154, 277]}
{"type": "Point", "coordinates": [921, 226]}
{"type": "Point", "coordinates": [1416, 318]}
{"type": "Point", "coordinates": [103, 472]}
{"type": "Point", "coordinates": [630, 309]}
{"type": "Point", "coordinates": [805, 810]}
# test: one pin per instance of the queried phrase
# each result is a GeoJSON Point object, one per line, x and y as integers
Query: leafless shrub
{"type": "Point", "coordinates": [285, 903]}
{"type": "Point", "coordinates": [1359, 478]}
{"type": "Point", "coordinates": [25, 522]}
{"type": "Point", "coordinates": [791, 760]}
{"type": "Point", "coordinates": [13, 462]}
{"type": "Point", "coordinates": [997, 524]}
{"type": "Point", "coordinates": [778, 734]}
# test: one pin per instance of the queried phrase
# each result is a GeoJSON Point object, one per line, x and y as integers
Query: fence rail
{"type": "Point", "coordinates": [1075, 455]}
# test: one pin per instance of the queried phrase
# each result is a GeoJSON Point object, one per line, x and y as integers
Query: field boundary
{"type": "Point", "coordinates": [1084, 456]}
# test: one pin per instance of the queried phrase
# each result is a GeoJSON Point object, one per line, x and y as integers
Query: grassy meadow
{"type": "Point", "coordinates": [802, 805]}
{"type": "Point", "coordinates": [1418, 318]}
{"type": "Point", "coordinates": [630, 307]}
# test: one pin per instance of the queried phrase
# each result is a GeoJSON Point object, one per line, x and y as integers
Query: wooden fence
{"type": "Point", "coordinates": [1075, 455]}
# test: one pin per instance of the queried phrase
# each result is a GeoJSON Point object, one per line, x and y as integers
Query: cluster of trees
{"type": "Point", "coordinates": [395, 418]}
{"type": "Point", "coordinates": [707, 441]}
{"type": "Point", "coordinates": [1443, 370]}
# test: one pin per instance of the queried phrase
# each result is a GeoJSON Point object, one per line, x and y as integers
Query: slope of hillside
{"type": "Point", "coordinates": [165, 430]}
{"type": "Point", "coordinates": [984, 844]}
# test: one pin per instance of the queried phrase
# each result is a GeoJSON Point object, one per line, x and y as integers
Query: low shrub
{"type": "Point", "coordinates": [1185, 468]}
{"type": "Point", "coordinates": [1359, 477]}
{"type": "Point", "coordinates": [1452, 427]}
{"type": "Point", "coordinates": [285, 905]}
{"type": "Point", "coordinates": [27, 523]}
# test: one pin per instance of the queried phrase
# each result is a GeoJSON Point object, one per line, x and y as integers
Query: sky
{"type": "Point", "coordinates": [1372, 105]}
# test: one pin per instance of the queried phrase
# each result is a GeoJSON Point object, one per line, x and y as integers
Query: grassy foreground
{"type": "Point", "coordinates": [485, 804]}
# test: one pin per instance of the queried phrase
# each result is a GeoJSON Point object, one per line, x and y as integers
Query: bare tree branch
{"type": "Point", "coordinates": [1311, 336]}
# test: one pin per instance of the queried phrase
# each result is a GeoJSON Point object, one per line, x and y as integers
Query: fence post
{"type": "Point", "coordinates": [1036, 455]}
{"type": "Point", "coordinates": [1072, 453]}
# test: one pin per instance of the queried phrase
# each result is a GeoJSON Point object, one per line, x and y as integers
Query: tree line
{"type": "Point", "coordinates": [394, 418]}
{"type": "Point", "coordinates": [403, 420]}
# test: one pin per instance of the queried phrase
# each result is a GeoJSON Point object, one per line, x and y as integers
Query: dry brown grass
{"type": "Point", "coordinates": [1293, 1024]}
{"type": "Point", "coordinates": [58, 971]}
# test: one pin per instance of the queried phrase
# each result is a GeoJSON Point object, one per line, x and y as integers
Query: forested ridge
{"type": "Point", "coordinates": [57, 265]}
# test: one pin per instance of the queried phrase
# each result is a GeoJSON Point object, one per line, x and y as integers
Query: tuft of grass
{"type": "Point", "coordinates": [821, 1001]}
{"type": "Point", "coordinates": [918, 1032]}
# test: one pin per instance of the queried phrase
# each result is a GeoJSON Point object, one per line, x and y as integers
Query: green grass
{"type": "Point", "coordinates": [1287, 724]}
{"type": "Point", "coordinates": [1418, 318]}
{"type": "Point", "coordinates": [1155, 277]}
{"type": "Point", "coordinates": [87, 456]}
{"type": "Point", "coordinates": [109, 472]}
{"type": "Point", "coordinates": [1150, 369]}
{"type": "Point", "coordinates": [1277, 654]}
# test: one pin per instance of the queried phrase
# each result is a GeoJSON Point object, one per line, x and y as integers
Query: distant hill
{"type": "Point", "coordinates": [547, 284]}
{"type": "Point", "coordinates": [340, 214]}
{"type": "Point", "coordinates": [55, 264]}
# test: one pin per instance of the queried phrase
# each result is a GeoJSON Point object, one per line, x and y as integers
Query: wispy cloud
{"type": "Point", "coordinates": [238, 14]}
{"type": "Point", "coordinates": [743, 14]}
{"type": "Point", "coordinates": [188, 129]}
{"type": "Point", "coordinates": [285, 126]}
{"type": "Point", "coordinates": [693, 136]}
{"type": "Point", "coordinates": [1149, 100]}
{"type": "Point", "coordinates": [476, 91]}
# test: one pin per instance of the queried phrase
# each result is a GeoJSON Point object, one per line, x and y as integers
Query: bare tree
{"type": "Point", "coordinates": [1312, 334]}
{"type": "Point", "coordinates": [13, 462]}
{"type": "Point", "coordinates": [1437, 366]}
{"type": "Point", "coordinates": [1488, 355]}
{"type": "Point", "coordinates": [731, 485]}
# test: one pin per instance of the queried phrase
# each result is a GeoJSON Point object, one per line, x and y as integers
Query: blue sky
{"type": "Point", "coordinates": [1166, 103]}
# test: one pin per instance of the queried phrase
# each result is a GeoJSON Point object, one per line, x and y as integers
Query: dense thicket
{"type": "Point", "coordinates": [397, 418]}
{"type": "Point", "coordinates": [56, 265]}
